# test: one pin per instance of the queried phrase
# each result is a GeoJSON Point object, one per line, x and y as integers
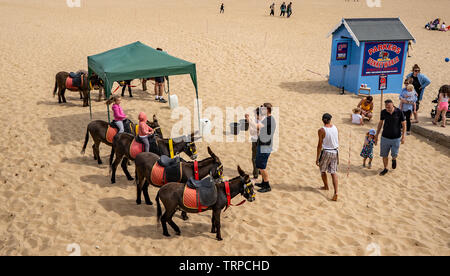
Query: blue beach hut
{"type": "Point", "coordinates": [365, 48]}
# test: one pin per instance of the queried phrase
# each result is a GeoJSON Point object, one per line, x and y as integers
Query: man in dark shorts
{"type": "Point", "coordinates": [393, 123]}
{"type": "Point", "coordinates": [127, 83]}
{"type": "Point", "coordinates": [265, 145]}
{"type": "Point", "coordinates": [222, 8]}
{"type": "Point", "coordinates": [159, 86]}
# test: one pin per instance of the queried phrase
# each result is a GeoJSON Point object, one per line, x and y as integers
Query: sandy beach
{"type": "Point", "coordinates": [53, 196]}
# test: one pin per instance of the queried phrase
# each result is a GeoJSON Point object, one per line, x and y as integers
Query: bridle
{"type": "Point", "coordinates": [246, 186]}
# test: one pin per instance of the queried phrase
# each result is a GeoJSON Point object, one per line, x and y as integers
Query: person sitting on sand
{"type": "Point", "coordinates": [327, 158]}
{"type": "Point", "coordinates": [119, 115]}
{"type": "Point", "coordinates": [357, 118]}
{"type": "Point", "coordinates": [367, 151]}
{"type": "Point", "coordinates": [366, 106]}
{"type": "Point", "coordinates": [144, 131]}
{"type": "Point", "coordinates": [408, 105]}
{"type": "Point", "coordinates": [443, 27]}
{"type": "Point", "coordinates": [444, 98]}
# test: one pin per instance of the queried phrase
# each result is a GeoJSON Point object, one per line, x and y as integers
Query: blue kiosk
{"type": "Point", "coordinates": [370, 51]}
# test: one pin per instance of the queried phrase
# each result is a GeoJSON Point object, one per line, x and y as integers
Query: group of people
{"type": "Point", "coordinates": [285, 10]}
{"type": "Point", "coordinates": [436, 25]}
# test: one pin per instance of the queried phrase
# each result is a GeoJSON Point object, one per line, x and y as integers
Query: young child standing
{"type": "Point", "coordinates": [408, 105]}
{"type": "Point", "coordinates": [367, 151]}
{"type": "Point", "coordinates": [144, 131]}
{"type": "Point", "coordinates": [119, 115]}
{"type": "Point", "coordinates": [444, 96]}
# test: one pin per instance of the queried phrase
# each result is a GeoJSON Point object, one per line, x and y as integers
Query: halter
{"type": "Point", "coordinates": [189, 146]}
{"type": "Point", "coordinates": [228, 193]}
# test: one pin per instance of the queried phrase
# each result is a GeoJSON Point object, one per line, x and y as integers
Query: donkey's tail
{"type": "Point", "coordinates": [56, 87]}
{"type": "Point", "coordinates": [159, 211]}
{"type": "Point", "coordinates": [86, 139]}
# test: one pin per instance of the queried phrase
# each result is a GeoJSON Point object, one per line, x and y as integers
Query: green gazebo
{"type": "Point", "coordinates": [137, 61]}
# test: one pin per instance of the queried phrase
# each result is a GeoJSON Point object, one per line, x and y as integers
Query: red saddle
{"type": "Point", "coordinates": [136, 148]}
{"type": "Point", "coordinates": [191, 199]}
{"type": "Point", "coordinates": [110, 133]}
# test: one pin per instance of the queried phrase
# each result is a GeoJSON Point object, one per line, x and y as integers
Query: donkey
{"type": "Point", "coordinates": [145, 161]}
{"type": "Point", "coordinates": [60, 85]}
{"type": "Point", "coordinates": [122, 143]}
{"type": "Point", "coordinates": [98, 130]}
{"type": "Point", "coordinates": [172, 194]}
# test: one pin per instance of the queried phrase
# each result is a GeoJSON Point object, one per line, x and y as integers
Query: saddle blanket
{"type": "Point", "coordinates": [191, 199]}
{"type": "Point", "coordinates": [162, 175]}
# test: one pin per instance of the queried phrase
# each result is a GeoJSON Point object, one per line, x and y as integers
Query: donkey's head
{"type": "Point", "coordinates": [155, 126]}
{"type": "Point", "coordinates": [217, 169]}
{"type": "Point", "coordinates": [190, 149]}
{"type": "Point", "coordinates": [247, 187]}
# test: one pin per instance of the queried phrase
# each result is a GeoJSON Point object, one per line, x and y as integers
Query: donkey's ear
{"type": "Point", "coordinates": [240, 171]}
{"type": "Point", "coordinates": [154, 118]}
{"type": "Point", "coordinates": [210, 152]}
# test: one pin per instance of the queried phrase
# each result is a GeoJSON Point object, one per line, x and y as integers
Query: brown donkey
{"type": "Point", "coordinates": [98, 128]}
{"type": "Point", "coordinates": [60, 86]}
{"type": "Point", "coordinates": [122, 143]}
{"type": "Point", "coordinates": [146, 160]}
{"type": "Point", "coordinates": [172, 195]}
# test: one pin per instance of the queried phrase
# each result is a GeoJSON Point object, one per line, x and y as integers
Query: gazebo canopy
{"type": "Point", "coordinates": [136, 61]}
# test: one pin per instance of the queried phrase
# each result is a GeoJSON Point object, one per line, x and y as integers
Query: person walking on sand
{"type": "Point", "coordinates": [420, 82]}
{"type": "Point", "coordinates": [328, 153]}
{"type": "Point", "coordinates": [367, 151]}
{"type": "Point", "coordinates": [222, 8]}
{"type": "Point", "coordinates": [265, 145]}
{"type": "Point", "coordinates": [393, 123]}
{"type": "Point", "coordinates": [283, 9]}
{"type": "Point", "coordinates": [272, 9]}
{"type": "Point", "coordinates": [289, 10]}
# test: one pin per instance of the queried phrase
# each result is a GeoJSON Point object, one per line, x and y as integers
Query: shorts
{"type": "Point", "coordinates": [261, 159]}
{"type": "Point", "coordinates": [392, 145]}
{"type": "Point", "coordinates": [443, 106]}
{"type": "Point", "coordinates": [159, 79]}
{"type": "Point", "coordinates": [328, 162]}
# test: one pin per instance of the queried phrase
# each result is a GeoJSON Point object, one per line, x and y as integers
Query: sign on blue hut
{"type": "Point", "coordinates": [368, 52]}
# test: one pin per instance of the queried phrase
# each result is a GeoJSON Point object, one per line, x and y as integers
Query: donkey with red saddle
{"type": "Point", "coordinates": [103, 132]}
{"type": "Point", "coordinates": [158, 171]}
{"type": "Point", "coordinates": [198, 196]}
{"type": "Point", "coordinates": [126, 147]}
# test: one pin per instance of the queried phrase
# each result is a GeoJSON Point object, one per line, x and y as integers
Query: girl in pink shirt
{"type": "Point", "coordinates": [119, 115]}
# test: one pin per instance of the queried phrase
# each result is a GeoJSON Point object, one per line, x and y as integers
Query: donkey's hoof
{"type": "Point", "coordinates": [149, 203]}
{"type": "Point", "coordinates": [166, 234]}
{"type": "Point", "coordinates": [100, 162]}
{"type": "Point", "coordinates": [138, 202]}
{"type": "Point", "coordinates": [130, 178]}
{"type": "Point", "coordinates": [185, 217]}
{"type": "Point", "coordinates": [178, 233]}
{"type": "Point", "coordinates": [113, 181]}
{"type": "Point", "coordinates": [219, 238]}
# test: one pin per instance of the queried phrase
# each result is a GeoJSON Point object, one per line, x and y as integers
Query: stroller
{"type": "Point", "coordinates": [434, 110]}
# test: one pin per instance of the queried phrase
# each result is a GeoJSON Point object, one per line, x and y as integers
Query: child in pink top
{"type": "Point", "coordinates": [144, 131]}
{"type": "Point", "coordinates": [119, 115]}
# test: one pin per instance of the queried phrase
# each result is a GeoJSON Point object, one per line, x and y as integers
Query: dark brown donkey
{"type": "Point", "coordinates": [171, 196]}
{"type": "Point", "coordinates": [121, 148]}
{"type": "Point", "coordinates": [146, 160]}
{"type": "Point", "coordinates": [60, 85]}
{"type": "Point", "coordinates": [97, 129]}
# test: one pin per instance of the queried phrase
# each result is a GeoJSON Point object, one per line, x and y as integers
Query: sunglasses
{"type": "Point", "coordinates": [416, 70]}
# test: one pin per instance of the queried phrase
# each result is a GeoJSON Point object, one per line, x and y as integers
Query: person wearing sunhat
{"type": "Point", "coordinates": [328, 153]}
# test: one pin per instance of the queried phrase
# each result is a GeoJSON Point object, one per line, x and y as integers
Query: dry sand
{"type": "Point", "coordinates": [52, 196]}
